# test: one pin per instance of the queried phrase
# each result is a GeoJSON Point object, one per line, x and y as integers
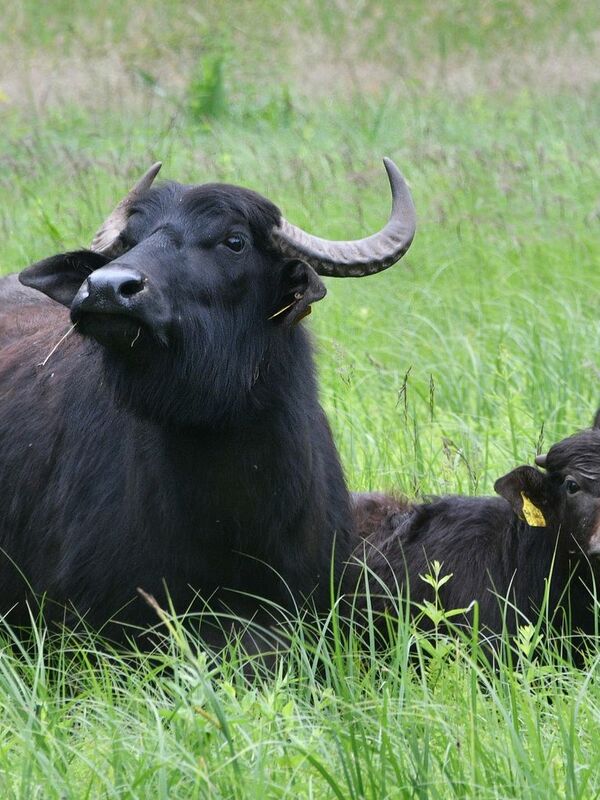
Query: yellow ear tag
{"type": "Point", "coordinates": [533, 516]}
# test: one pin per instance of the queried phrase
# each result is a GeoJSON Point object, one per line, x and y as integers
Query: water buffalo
{"type": "Point", "coordinates": [545, 527]}
{"type": "Point", "coordinates": [174, 440]}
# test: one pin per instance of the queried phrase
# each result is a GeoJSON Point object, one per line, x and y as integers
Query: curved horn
{"type": "Point", "coordinates": [541, 460]}
{"type": "Point", "coordinates": [367, 256]}
{"type": "Point", "coordinates": [107, 235]}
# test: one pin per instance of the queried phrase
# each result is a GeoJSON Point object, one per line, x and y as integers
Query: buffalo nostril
{"type": "Point", "coordinates": [131, 287]}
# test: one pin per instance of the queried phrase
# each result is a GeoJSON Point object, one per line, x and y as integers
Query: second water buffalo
{"type": "Point", "coordinates": [544, 528]}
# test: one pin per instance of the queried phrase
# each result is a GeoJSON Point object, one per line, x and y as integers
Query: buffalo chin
{"type": "Point", "coordinates": [115, 331]}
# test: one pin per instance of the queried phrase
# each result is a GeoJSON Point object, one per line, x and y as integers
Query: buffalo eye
{"type": "Point", "coordinates": [235, 242]}
{"type": "Point", "coordinates": [571, 486]}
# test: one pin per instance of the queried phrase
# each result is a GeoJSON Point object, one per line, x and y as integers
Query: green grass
{"type": "Point", "coordinates": [330, 722]}
{"type": "Point", "coordinates": [439, 375]}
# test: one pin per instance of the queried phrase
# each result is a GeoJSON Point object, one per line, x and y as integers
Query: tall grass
{"type": "Point", "coordinates": [434, 717]}
{"type": "Point", "coordinates": [478, 350]}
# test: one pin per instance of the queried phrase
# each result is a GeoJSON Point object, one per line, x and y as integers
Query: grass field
{"type": "Point", "coordinates": [479, 349]}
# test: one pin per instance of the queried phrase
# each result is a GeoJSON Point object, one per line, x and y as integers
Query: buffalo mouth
{"type": "Point", "coordinates": [123, 332]}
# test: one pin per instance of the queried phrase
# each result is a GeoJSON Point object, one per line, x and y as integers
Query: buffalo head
{"type": "Point", "coordinates": [564, 498]}
{"type": "Point", "coordinates": [198, 288]}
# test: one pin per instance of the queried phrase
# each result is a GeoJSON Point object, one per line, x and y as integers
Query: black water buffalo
{"type": "Point", "coordinates": [544, 527]}
{"type": "Point", "coordinates": [174, 441]}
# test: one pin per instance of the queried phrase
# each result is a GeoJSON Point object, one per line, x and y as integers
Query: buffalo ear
{"type": "Point", "coordinates": [61, 276]}
{"type": "Point", "coordinates": [526, 489]}
{"type": "Point", "coordinates": [299, 287]}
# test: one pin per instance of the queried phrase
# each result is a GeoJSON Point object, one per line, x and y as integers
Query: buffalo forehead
{"type": "Point", "coordinates": [207, 210]}
{"type": "Point", "coordinates": [579, 453]}
{"type": "Point", "coordinates": [234, 202]}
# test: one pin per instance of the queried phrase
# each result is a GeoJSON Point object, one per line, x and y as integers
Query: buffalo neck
{"type": "Point", "coordinates": [552, 553]}
{"type": "Point", "coordinates": [263, 469]}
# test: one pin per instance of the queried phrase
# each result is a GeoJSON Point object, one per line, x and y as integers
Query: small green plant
{"type": "Point", "coordinates": [437, 644]}
{"type": "Point", "coordinates": [207, 95]}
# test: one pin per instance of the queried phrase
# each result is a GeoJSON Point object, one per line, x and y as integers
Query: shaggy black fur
{"type": "Point", "coordinates": [174, 441]}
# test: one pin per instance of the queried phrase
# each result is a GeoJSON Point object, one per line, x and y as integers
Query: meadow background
{"type": "Point", "coordinates": [481, 348]}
